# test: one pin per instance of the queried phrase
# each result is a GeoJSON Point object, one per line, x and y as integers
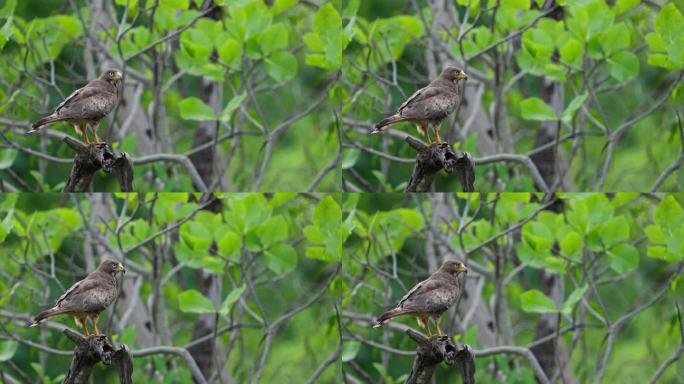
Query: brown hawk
{"type": "Point", "coordinates": [86, 106]}
{"type": "Point", "coordinates": [430, 105]}
{"type": "Point", "coordinates": [87, 298]}
{"type": "Point", "coordinates": [429, 298]}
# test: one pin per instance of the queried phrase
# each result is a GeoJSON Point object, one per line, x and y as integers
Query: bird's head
{"type": "Point", "coordinates": [112, 76]}
{"type": "Point", "coordinates": [454, 74]}
{"type": "Point", "coordinates": [454, 267]}
{"type": "Point", "coordinates": [111, 267]}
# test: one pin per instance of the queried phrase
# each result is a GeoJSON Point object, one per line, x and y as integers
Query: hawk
{"type": "Point", "coordinates": [86, 106]}
{"type": "Point", "coordinates": [430, 105]}
{"type": "Point", "coordinates": [87, 298]}
{"type": "Point", "coordinates": [429, 298]}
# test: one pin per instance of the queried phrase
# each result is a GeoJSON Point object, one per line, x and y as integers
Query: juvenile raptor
{"type": "Point", "coordinates": [430, 105]}
{"type": "Point", "coordinates": [429, 298]}
{"type": "Point", "coordinates": [87, 298]}
{"type": "Point", "coordinates": [86, 106]}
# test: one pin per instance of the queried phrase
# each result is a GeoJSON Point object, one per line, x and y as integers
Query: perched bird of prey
{"type": "Point", "coordinates": [87, 298]}
{"type": "Point", "coordinates": [430, 105]}
{"type": "Point", "coordinates": [86, 106]}
{"type": "Point", "coordinates": [429, 298]}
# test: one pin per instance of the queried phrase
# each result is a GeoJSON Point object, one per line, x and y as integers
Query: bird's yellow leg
{"type": "Point", "coordinates": [439, 139]}
{"type": "Point", "coordinates": [97, 139]}
{"type": "Point", "coordinates": [94, 319]}
{"type": "Point", "coordinates": [436, 319]}
{"type": "Point", "coordinates": [425, 323]}
{"type": "Point", "coordinates": [83, 322]}
{"type": "Point", "coordinates": [427, 134]}
{"type": "Point", "coordinates": [83, 130]}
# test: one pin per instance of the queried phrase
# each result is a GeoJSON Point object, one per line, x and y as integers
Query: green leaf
{"type": "Point", "coordinates": [7, 349]}
{"type": "Point", "coordinates": [327, 26]}
{"type": "Point", "coordinates": [615, 230]}
{"type": "Point", "coordinates": [281, 6]}
{"type": "Point", "coordinates": [7, 10]}
{"type": "Point", "coordinates": [655, 234]}
{"type": "Point", "coordinates": [571, 245]}
{"type": "Point", "coordinates": [230, 52]}
{"type": "Point", "coordinates": [349, 350]}
{"type": "Point", "coordinates": [574, 105]}
{"type": "Point", "coordinates": [623, 65]}
{"type": "Point", "coordinates": [573, 299]}
{"type": "Point", "coordinates": [273, 38]}
{"type": "Point", "coordinates": [615, 38]}
{"type": "Point", "coordinates": [535, 301]}
{"type": "Point", "coordinates": [192, 301]}
{"type": "Point", "coordinates": [669, 23]}
{"type": "Point", "coordinates": [624, 5]}
{"type": "Point", "coordinates": [349, 157]}
{"type": "Point", "coordinates": [229, 245]}
{"type": "Point", "coordinates": [535, 108]}
{"type": "Point", "coordinates": [7, 157]}
{"type": "Point", "coordinates": [327, 214]}
{"type": "Point", "coordinates": [661, 253]}
{"type": "Point", "coordinates": [272, 231]}
{"type": "Point", "coordinates": [281, 66]}
{"type": "Point", "coordinates": [668, 215]}
{"type": "Point", "coordinates": [623, 258]}
{"type": "Point", "coordinates": [232, 106]}
{"type": "Point", "coordinates": [281, 258]}
{"type": "Point", "coordinates": [232, 298]}
{"type": "Point", "coordinates": [571, 53]}
{"type": "Point", "coordinates": [320, 253]}
{"type": "Point", "coordinates": [193, 108]}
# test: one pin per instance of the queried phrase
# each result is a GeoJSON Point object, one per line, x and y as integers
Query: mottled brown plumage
{"type": "Point", "coordinates": [87, 298]}
{"type": "Point", "coordinates": [430, 105]}
{"type": "Point", "coordinates": [429, 298]}
{"type": "Point", "coordinates": [86, 106]}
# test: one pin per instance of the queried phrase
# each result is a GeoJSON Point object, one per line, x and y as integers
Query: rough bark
{"type": "Point", "coordinates": [210, 285]}
{"type": "Point", "coordinates": [434, 158]}
{"type": "Point", "coordinates": [92, 350]}
{"type": "Point", "coordinates": [432, 351]}
{"type": "Point", "coordinates": [90, 159]}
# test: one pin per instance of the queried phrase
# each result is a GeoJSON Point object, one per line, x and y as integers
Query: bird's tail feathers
{"type": "Point", "coordinates": [47, 120]}
{"type": "Point", "coordinates": [44, 316]}
{"type": "Point", "coordinates": [381, 126]}
{"type": "Point", "coordinates": [387, 316]}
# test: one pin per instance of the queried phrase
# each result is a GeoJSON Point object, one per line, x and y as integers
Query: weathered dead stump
{"type": "Point", "coordinates": [436, 157]}
{"type": "Point", "coordinates": [90, 351]}
{"type": "Point", "coordinates": [432, 351]}
{"type": "Point", "coordinates": [90, 159]}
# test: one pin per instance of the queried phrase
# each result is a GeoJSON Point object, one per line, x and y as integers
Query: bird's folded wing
{"type": "Point", "coordinates": [76, 289]}
{"type": "Point", "coordinates": [417, 95]}
{"type": "Point", "coordinates": [424, 286]}
{"type": "Point", "coordinates": [78, 99]}
{"type": "Point", "coordinates": [69, 98]}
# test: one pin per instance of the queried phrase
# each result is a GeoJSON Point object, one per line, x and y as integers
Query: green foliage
{"type": "Point", "coordinates": [581, 66]}
{"type": "Point", "coordinates": [239, 260]}
{"type": "Point", "coordinates": [238, 73]}
{"type": "Point", "coordinates": [535, 301]}
{"type": "Point", "coordinates": [582, 259]}
{"type": "Point", "coordinates": [192, 301]}
{"type": "Point", "coordinates": [667, 41]}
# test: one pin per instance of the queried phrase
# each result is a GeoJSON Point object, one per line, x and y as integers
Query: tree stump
{"type": "Point", "coordinates": [432, 351]}
{"type": "Point", "coordinates": [90, 351]}
{"type": "Point", "coordinates": [436, 157]}
{"type": "Point", "coordinates": [90, 159]}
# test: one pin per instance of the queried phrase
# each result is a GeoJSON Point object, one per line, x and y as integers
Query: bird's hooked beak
{"type": "Point", "coordinates": [120, 268]}
{"type": "Point", "coordinates": [117, 76]}
{"type": "Point", "coordinates": [461, 268]}
{"type": "Point", "coordinates": [461, 76]}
